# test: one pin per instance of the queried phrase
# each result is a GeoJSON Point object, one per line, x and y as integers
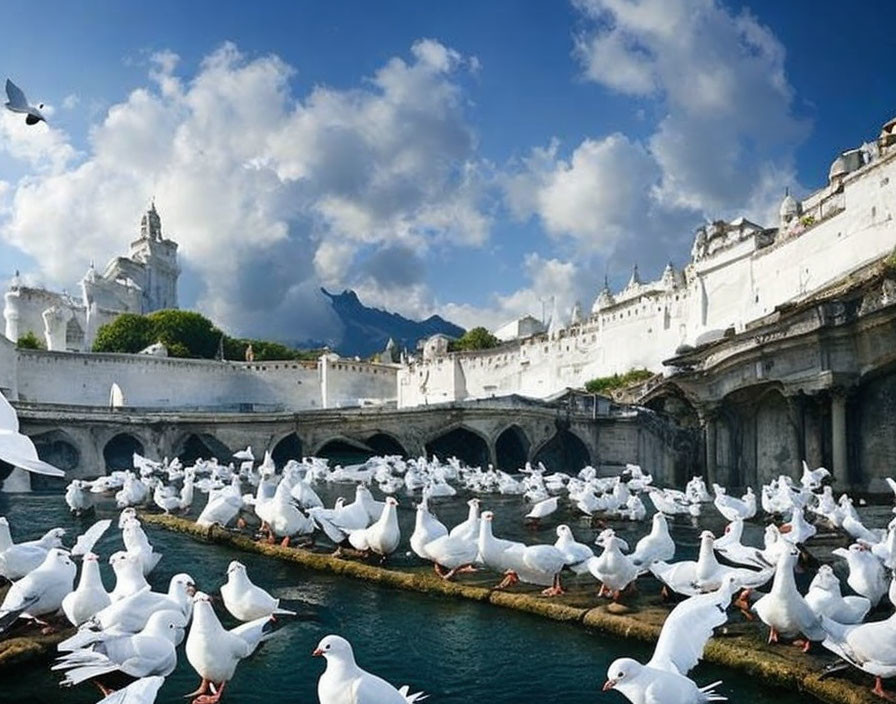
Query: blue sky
{"type": "Point", "coordinates": [469, 159]}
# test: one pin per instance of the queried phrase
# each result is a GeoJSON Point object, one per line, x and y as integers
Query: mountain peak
{"type": "Point", "coordinates": [368, 330]}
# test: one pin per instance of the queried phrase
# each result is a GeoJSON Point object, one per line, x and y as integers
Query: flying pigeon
{"type": "Point", "coordinates": [19, 103]}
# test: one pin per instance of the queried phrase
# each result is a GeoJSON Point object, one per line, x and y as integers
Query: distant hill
{"type": "Point", "coordinates": [367, 330]}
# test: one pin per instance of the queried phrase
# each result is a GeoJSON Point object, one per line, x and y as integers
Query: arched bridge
{"type": "Point", "coordinates": [507, 433]}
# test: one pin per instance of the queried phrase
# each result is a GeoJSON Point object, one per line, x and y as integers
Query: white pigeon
{"type": "Point", "coordinates": [18, 559]}
{"type": "Point", "coordinates": [136, 543]}
{"type": "Point", "coordinates": [575, 554]}
{"type": "Point", "coordinates": [731, 507]}
{"type": "Point", "coordinates": [215, 652]}
{"type": "Point", "coordinates": [78, 499]}
{"type": "Point", "coordinates": [129, 577]}
{"type": "Point", "coordinates": [784, 610]}
{"type": "Point", "coordinates": [866, 574]}
{"type": "Point", "coordinates": [470, 527]}
{"type": "Point", "coordinates": [825, 599]}
{"type": "Point", "coordinates": [130, 614]}
{"type": "Point", "coordinates": [664, 678]}
{"type": "Point", "coordinates": [543, 509]}
{"type": "Point", "coordinates": [732, 549]}
{"type": "Point", "coordinates": [90, 597]}
{"type": "Point", "coordinates": [383, 536]}
{"type": "Point", "coordinates": [426, 529]}
{"type": "Point", "coordinates": [41, 591]}
{"type": "Point", "coordinates": [871, 647]}
{"type": "Point", "coordinates": [533, 564]}
{"type": "Point", "coordinates": [611, 568]}
{"type": "Point", "coordinates": [15, 448]}
{"type": "Point", "coordinates": [656, 545]}
{"type": "Point", "coordinates": [343, 682]}
{"type": "Point", "coordinates": [223, 506]}
{"type": "Point", "coordinates": [246, 601]}
{"type": "Point", "coordinates": [149, 652]}
{"type": "Point", "coordinates": [689, 578]}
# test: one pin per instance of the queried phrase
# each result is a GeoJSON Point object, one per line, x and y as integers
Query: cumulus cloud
{"type": "Point", "coordinates": [721, 80]}
{"type": "Point", "coordinates": [722, 145]}
{"type": "Point", "coordinates": [270, 195]}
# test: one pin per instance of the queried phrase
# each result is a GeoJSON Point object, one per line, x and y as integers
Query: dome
{"type": "Point", "coordinates": [789, 208]}
{"type": "Point", "coordinates": [838, 168]}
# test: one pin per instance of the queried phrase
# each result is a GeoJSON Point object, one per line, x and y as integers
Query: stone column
{"type": "Point", "coordinates": [838, 438]}
{"type": "Point", "coordinates": [709, 434]}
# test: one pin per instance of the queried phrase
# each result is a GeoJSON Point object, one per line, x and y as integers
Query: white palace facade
{"type": "Point", "coordinates": [142, 282]}
{"type": "Point", "coordinates": [738, 273]}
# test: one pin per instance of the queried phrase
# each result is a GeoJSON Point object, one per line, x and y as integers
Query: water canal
{"type": "Point", "coordinates": [457, 651]}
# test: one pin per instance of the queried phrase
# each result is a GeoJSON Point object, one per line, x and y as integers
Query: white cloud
{"type": "Point", "coordinates": [270, 195]}
{"type": "Point", "coordinates": [723, 144]}
{"type": "Point", "coordinates": [720, 78]}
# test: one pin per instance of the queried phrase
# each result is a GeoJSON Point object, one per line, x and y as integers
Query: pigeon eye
{"type": "Point", "coordinates": [620, 675]}
{"type": "Point", "coordinates": [327, 648]}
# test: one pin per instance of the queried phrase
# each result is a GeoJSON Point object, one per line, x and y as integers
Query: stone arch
{"type": "Point", "coordinates": [511, 449]}
{"type": "Point", "coordinates": [345, 451]}
{"type": "Point", "coordinates": [461, 442]}
{"type": "Point", "coordinates": [118, 453]}
{"type": "Point", "coordinates": [196, 446]}
{"type": "Point", "coordinates": [565, 452]}
{"type": "Point", "coordinates": [59, 449]}
{"type": "Point", "coordinates": [386, 444]}
{"type": "Point", "coordinates": [287, 448]}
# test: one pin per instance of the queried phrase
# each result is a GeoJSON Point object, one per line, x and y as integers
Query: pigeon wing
{"type": "Point", "coordinates": [143, 691]}
{"type": "Point", "coordinates": [85, 542]}
{"type": "Point", "coordinates": [18, 450]}
{"type": "Point", "coordinates": [684, 635]}
{"type": "Point", "coordinates": [17, 100]}
{"type": "Point", "coordinates": [370, 689]}
{"type": "Point", "coordinates": [9, 421]}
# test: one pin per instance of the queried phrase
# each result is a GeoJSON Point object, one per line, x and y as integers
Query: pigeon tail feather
{"type": "Point", "coordinates": [710, 695]}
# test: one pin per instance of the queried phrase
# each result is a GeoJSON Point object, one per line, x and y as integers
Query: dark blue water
{"type": "Point", "coordinates": [458, 651]}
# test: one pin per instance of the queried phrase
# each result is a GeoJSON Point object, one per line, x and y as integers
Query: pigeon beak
{"type": "Point", "coordinates": [608, 685]}
{"type": "Point", "coordinates": [191, 589]}
{"type": "Point", "coordinates": [317, 652]}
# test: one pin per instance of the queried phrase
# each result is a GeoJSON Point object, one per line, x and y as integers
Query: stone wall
{"type": "Point", "coordinates": [157, 382]}
{"type": "Point", "coordinates": [172, 383]}
{"type": "Point", "coordinates": [733, 286]}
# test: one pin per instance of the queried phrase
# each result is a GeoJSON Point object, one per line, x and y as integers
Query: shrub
{"type": "Point", "coordinates": [30, 341]}
{"type": "Point", "coordinates": [604, 384]}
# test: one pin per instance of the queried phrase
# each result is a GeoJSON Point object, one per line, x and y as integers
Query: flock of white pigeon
{"type": "Point", "coordinates": [135, 631]}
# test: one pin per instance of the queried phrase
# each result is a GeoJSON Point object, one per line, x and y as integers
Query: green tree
{"type": "Point", "coordinates": [476, 339]}
{"type": "Point", "coordinates": [185, 333]}
{"type": "Point", "coordinates": [129, 332]}
{"type": "Point", "coordinates": [30, 341]}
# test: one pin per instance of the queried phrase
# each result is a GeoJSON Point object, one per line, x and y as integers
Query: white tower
{"type": "Point", "coordinates": [159, 257]}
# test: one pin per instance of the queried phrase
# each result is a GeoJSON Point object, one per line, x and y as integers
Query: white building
{"type": "Point", "coordinates": [519, 328]}
{"type": "Point", "coordinates": [738, 272]}
{"type": "Point", "coordinates": [144, 281]}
